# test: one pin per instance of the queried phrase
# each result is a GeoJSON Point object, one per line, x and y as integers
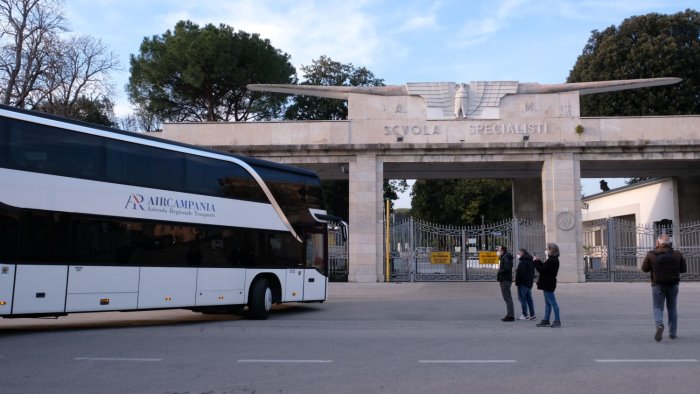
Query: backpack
{"type": "Point", "coordinates": [667, 269]}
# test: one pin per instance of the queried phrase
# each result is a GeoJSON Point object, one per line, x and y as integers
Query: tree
{"type": "Point", "coordinates": [200, 74]}
{"type": "Point", "coordinates": [327, 72]}
{"type": "Point", "coordinates": [78, 77]}
{"type": "Point", "coordinates": [392, 188]}
{"type": "Point", "coordinates": [140, 121]}
{"type": "Point", "coordinates": [41, 70]}
{"type": "Point", "coordinates": [462, 201]}
{"type": "Point", "coordinates": [646, 46]}
{"type": "Point", "coordinates": [28, 36]}
{"type": "Point", "coordinates": [98, 111]}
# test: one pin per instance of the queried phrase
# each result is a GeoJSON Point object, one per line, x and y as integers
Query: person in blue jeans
{"type": "Point", "coordinates": [524, 278]}
{"type": "Point", "coordinates": [547, 282]}
{"type": "Point", "coordinates": [664, 290]}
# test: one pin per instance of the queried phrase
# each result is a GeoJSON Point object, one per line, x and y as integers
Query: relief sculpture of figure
{"type": "Point", "coordinates": [461, 101]}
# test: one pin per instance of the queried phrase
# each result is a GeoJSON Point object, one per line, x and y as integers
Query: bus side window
{"type": "Point", "coordinates": [145, 166]}
{"type": "Point", "coordinates": [9, 234]}
{"type": "Point", "coordinates": [54, 151]}
{"type": "Point", "coordinates": [40, 242]}
{"type": "Point", "coordinates": [315, 252]}
{"type": "Point", "coordinates": [4, 134]}
{"type": "Point", "coordinates": [221, 179]}
{"type": "Point", "coordinates": [284, 251]}
{"type": "Point", "coordinates": [100, 241]}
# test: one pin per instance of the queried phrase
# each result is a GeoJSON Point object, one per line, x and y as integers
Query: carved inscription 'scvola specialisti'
{"type": "Point", "coordinates": [508, 128]}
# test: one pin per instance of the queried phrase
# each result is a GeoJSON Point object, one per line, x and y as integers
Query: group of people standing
{"type": "Point", "coordinates": [664, 263]}
{"type": "Point", "coordinates": [524, 280]}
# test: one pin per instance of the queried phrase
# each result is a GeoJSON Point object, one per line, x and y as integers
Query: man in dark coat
{"type": "Point", "coordinates": [662, 288]}
{"type": "Point", "coordinates": [505, 278]}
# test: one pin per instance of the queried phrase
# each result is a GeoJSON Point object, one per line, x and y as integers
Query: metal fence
{"type": "Point", "coordinates": [414, 244]}
{"type": "Point", "coordinates": [614, 248]}
{"type": "Point", "coordinates": [337, 254]}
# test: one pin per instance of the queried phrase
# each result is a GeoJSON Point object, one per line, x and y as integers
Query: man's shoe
{"type": "Point", "coordinates": [532, 317]}
{"type": "Point", "coordinates": [673, 336]}
{"type": "Point", "coordinates": [556, 323]}
{"type": "Point", "coordinates": [659, 333]}
{"type": "Point", "coordinates": [543, 323]}
{"type": "Point", "coordinates": [508, 318]}
{"type": "Point", "coordinates": [523, 317]}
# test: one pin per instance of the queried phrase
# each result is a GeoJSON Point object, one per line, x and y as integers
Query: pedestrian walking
{"type": "Point", "coordinates": [524, 278]}
{"type": "Point", "coordinates": [547, 282]}
{"type": "Point", "coordinates": [505, 278]}
{"type": "Point", "coordinates": [666, 266]}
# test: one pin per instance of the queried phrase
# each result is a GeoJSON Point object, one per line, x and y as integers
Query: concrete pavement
{"type": "Point", "coordinates": [387, 338]}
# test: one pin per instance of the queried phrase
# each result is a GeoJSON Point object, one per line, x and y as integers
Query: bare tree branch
{"type": "Point", "coordinates": [28, 29]}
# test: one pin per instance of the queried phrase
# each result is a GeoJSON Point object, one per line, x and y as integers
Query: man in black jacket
{"type": "Point", "coordinates": [664, 289]}
{"type": "Point", "coordinates": [505, 278]}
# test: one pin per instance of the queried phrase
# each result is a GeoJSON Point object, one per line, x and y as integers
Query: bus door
{"type": "Point", "coordinates": [294, 285]}
{"type": "Point", "coordinates": [7, 279]}
{"type": "Point", "coordinates": [315, 274]}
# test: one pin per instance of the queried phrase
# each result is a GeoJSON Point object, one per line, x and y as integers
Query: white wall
{"type": "Point", "coordinates": [649, 202]}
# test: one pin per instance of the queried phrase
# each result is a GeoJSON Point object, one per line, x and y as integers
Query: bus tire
{"type": "Point", "coordinates": [260, 301]}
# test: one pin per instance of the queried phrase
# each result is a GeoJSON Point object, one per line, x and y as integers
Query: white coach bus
{"type": "Point", "coordinates": [96, 219]}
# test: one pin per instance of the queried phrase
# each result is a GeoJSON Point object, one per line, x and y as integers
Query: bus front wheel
{"type": "Point", "coordinates": [260, 301]}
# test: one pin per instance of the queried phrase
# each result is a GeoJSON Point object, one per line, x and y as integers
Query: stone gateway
{"type": "Point", "coordinates": [530, 133]}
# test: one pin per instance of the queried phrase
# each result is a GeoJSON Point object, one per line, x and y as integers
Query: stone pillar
{"type": "Point", "coordinates": [365, 235]}
{"type": "Point", "coordinates": [561, 195]}
{"type": "Point", "coordinates": [527, 199]}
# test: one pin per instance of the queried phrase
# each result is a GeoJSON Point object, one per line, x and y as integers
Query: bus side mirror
{"type": "Point", "coordinates": [344, 229]}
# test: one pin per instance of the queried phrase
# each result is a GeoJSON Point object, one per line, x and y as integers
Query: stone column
{"type": "Point", "coordinates": [365, 235]}
{"type": "Point", "coordinates": [561, 195]}
{"type": "Point", "coordinates": [527, 199]}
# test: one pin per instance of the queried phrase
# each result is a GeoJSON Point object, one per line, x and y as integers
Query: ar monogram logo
{"type": "Point", "coordinates": [135, 200]}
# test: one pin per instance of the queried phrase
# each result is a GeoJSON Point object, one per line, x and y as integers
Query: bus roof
{"type": "Point", "coordinates": [249, 160]}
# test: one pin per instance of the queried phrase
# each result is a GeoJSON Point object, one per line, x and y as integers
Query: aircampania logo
{"type": "Point", "coordinates": [170, 205]}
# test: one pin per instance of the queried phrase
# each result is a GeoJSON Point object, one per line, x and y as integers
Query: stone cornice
{"type": "Point", "coordinates": [503, 148]}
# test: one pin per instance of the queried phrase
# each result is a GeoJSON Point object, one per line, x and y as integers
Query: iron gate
{"type": "Point", "coordinates": [414, 242]}
{"type": "Point", "coordinates": [337, 253]}
{"type": "Point", "coordinates": [614, 248]}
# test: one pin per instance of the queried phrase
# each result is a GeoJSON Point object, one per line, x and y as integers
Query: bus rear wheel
{"type": "Point", "coordinates": [260, 301]}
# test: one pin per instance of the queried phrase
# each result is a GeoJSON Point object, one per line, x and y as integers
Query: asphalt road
{"type": "Point", "coordinates": [369, 338]}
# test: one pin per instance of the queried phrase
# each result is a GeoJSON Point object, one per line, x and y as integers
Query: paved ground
{"type": "Point", "coordinates": [385, 338]}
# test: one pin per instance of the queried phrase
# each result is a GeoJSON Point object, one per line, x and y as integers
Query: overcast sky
{"type": "Point", "coordinates": [400, 41]}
